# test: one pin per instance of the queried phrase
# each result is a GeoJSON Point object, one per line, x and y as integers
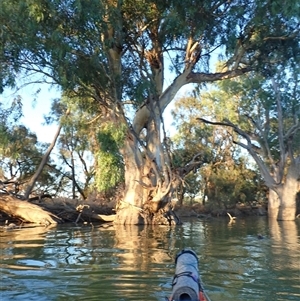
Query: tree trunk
{"type": "Point", "coordinates": [273, 204]}
{"type": "Point", "coordinates": [282, 200]}
{"type": "Point", "coordinates": [282, 205]}
{"type": "Point", "coordinates": [288, 195]}
{"type": "Point", "coordinates": [129, 209]}
{"type": "Point", "coordinates": [44, 161]}
{"type": "Point", "coordinates": [149, 180]}
{"type": "Point", "coordinates": [147, 193]}
{"type": "Point", "coordinates": [26, 211]}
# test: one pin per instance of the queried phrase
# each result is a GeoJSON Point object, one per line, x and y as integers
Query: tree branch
{"type": "Point", "coordinates": [280, 130]}
{"type": "Point", "coordinates": [292, 130]}
{"type": "Point", "coordinates": [270, 182]}
{"type": "Point", "coordinates": [198, 78]}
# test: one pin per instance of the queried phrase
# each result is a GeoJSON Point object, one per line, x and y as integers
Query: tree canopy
{"type": "Point", "coordinates": [78, 44]}
{"type": "Point", "coordinates": [124, 62]}
{"type": "Point", "coordinates": [265, 121]}
{"type": "Point", "coordinates": [224, 175]}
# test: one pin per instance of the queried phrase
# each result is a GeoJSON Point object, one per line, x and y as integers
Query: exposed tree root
{"type": "Point", "coordinates": [128, 214]}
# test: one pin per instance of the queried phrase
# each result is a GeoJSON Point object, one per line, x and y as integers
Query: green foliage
{"type": "Point", "coordinates": [9, 116]}
{"type": "Point", "coordinates": [111, 137]}
{"type": "Point", "coordinates": [267, 111]}
{"type": "Point", "coordinates": [20, 155]}
{"type": "Point", "coordinates": [99, 53]}
{"type": "Point", "coordinates": [71, 40]}
{"type": "Point", "coordinates": [224, 175]}
{"type": "Point", "coordinates": [258, 106]}
{"type": "Point", "coordinates": [231, 182]}
{"type": "Point", "coordinates": [110, 171]}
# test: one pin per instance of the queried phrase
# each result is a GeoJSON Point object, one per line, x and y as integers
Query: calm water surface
{"type": "Point", "coordinates": [137, 263]}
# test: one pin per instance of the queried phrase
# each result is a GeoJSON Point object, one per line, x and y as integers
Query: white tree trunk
{"type": "Point", "coordinates": [148, 179]}
{"type": "Point", "coordinates": [287, 209]}
{"type": "Point", "coordinates": [44, 161]}
{"type": "Point", "coordinates": [282, 200]}
{"type": "Point", "coordinates": [129, 209]}
{"type": "Point", "coordinates": [273, 204]}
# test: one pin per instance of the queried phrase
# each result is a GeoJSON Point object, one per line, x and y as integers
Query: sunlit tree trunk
{"type": "Point", "coordinates": [273, 204]}
{"type": "Point", "coordinates": [44, 161]}
{"type": "Point", "coordinates": [282, 198]}
{"type": "Point", "coordinates": [148, 176]}
{"type": "Point", "coordinates": [288, 193]}
{"type": "Point", "coordinates": [129, 209]}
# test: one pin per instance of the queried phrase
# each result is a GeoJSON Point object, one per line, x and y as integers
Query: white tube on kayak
{"type": "Point", "coordinates": [186, 282]}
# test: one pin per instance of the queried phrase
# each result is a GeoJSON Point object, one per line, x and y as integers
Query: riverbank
{"type": "Point", "coordinates": [98, 210]}
{"type": "Point", "coordinates": [208, 211]}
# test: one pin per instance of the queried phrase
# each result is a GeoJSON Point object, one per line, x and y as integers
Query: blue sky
{"type": "Point", "coordinates": [35, 107]}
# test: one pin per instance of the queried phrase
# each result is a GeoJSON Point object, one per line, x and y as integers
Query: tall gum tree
{"type": "Point", "coordinates": [267, 124]}
{"type": "Point", "coordinates": [118, 53]}
{"type": "Point", "coordinates": [223, 176]}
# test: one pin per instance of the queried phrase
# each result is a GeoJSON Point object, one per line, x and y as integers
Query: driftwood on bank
{"type": "Point", "coordinates": [78, 211]}
{"type": "Point", "coordinates": [26, 211]}
{"type": "Point", "coordinates": [52, 211]}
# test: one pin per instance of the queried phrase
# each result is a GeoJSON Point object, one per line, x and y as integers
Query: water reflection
{"type": "Point", "coordinates": [144, 263]}
{"type": "Point", "coordinates": [144, 245]}
{"type": "Point", "coordinates": [137, 263]}
{"type": "Point", "coordinates": [22, 243]}
{"type": "Point", "coordinates": [285, 252]}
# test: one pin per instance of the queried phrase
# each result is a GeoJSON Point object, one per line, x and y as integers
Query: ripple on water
{"type": "Point", "coordinates": [72, 263]}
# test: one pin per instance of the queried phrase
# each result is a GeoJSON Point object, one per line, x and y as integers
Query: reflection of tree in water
{"type": "Point", "coordinates": [68, 246]}
{"type": "Point", "coordinates": [125, 263]}
{"type": "Point", "coordinates": [144, 245]}
{"type": "Point", "coordinates": [285, 244]}
{"type": "Point", "coordinates": [145, 260]}
{"type": "Point", "coordinates": [284, 259]}
{"type": "Point", "coordinates": [131, 246]}
{"type": "Point", "coordinates": [20, 241]}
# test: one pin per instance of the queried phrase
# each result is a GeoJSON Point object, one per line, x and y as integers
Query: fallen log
{"type": "Point", "coordinates": [26, 211]}
{"type": "Point", "coordinates": [85, 210]}
{"type": "Point", "coordinates": [104, 217]}
{"type": "Point", "coordinates": [77, 211]}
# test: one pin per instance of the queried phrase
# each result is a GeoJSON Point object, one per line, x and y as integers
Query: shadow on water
{"type": "Point", "coordinates": [251, 259]}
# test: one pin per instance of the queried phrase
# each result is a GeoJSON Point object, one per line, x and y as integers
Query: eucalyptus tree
{"type": "Point", "coordinates": [20, 155]}
{"type": "Point", "coordinates": [9, 116]}
{"type": "Point", "coordinates": [25, 163]}
{"type": "Point", "coordinates": [223, 176]}
{"type": "Point", "coordinates": [75, 146]}
{"type": "Point", "coordinates": [118, 53]}
{"type": "Point", "coordinates": [266, 121]}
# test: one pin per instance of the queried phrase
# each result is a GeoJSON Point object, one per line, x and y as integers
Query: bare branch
{"type": "Point", "coordinates": [198, 78]}
{"type": "Point", "coordinates": [292, 130]}
{"type": "Point", "coordinates": [249, 147]}
{"type": "Point", "coordinates": [283, 38]}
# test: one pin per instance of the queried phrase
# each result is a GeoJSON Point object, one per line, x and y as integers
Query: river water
{"type": "Point", "coordinates": [94, 262]}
